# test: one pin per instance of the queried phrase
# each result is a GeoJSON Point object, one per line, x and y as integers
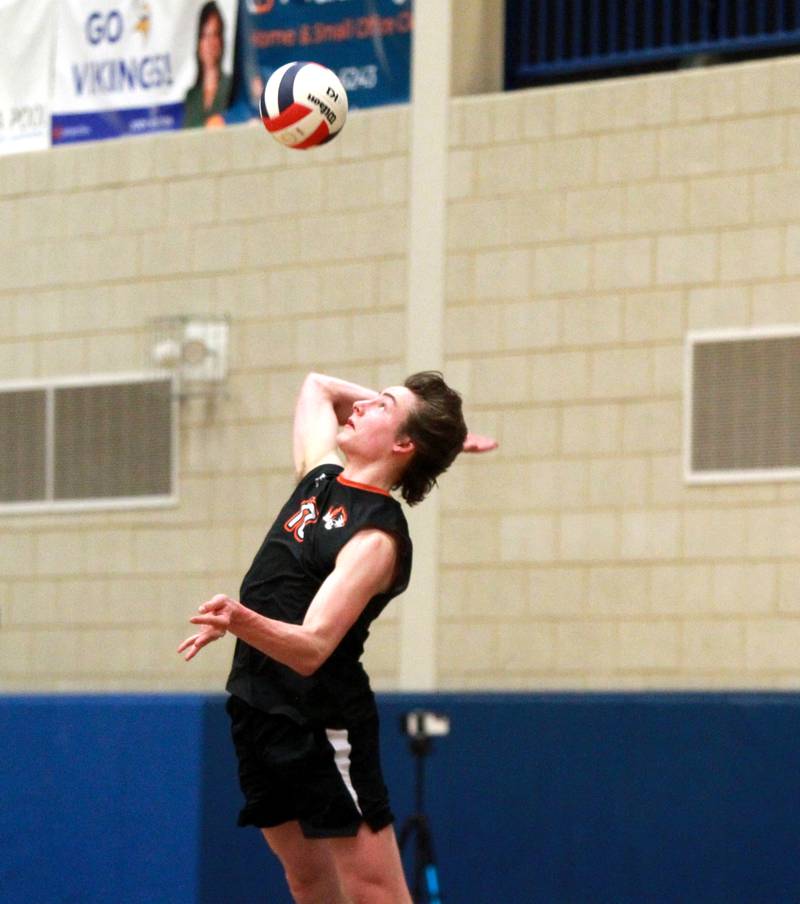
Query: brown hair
{"type": "Point", "coordinates": [209, 11]}
{"type": "Point", "coordinates": [437, 429]}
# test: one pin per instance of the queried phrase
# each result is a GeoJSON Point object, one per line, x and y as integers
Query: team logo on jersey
{"type": "Point", "coordinates": [307, 514]}
{"type": "Point", "coordinates": [335, 517]}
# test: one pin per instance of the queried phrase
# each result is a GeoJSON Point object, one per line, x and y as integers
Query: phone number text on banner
{"type": "Point", "coordinates": [367, 43]}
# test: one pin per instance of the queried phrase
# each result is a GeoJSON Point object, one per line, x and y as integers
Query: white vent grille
{"type": "Point", "coordinates": [743, 406]}
{"type": "Point", "coordinates": [104, 442]}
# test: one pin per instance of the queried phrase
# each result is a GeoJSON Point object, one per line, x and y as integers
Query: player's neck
{"type": "Point", "coordinates": [369, 473]}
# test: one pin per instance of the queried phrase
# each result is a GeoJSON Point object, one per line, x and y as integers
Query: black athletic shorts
{"type": "Point", "coordinates": [328, 779]}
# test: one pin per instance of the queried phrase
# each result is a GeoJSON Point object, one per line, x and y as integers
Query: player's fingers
{"type": "Point", "coordinates": [478, 443]}
{"type": "Point", "coordinates": [213, 605]}
{"type": "Point", "coordinates": [191, 645]}
{"type": "Point", "coordinates": [187, 643]}
{"type": "Point", "coordinates": [203, 639]}
{"type": "Point", "coordinates": [210, 619]}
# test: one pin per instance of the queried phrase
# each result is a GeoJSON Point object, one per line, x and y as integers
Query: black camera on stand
{"type": "Point", "coordinates": [421, 726]}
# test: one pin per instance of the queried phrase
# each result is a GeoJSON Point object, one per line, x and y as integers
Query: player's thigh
{"type": "Point", "coordinates": [369, 866]}
{"type": "Point", "coordinates": [304, 859]}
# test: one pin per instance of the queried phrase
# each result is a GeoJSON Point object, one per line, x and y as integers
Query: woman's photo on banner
{"type": "Point", "coordinates": [209, 96]}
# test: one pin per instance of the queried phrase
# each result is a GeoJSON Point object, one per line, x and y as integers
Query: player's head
{"type": "Point", "coordinates": [436, 428]}
{"type": "Point", "coordinates": [417, 429]}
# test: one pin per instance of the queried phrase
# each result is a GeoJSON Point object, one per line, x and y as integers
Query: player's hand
{"type": "Point", "coordinates": [477, 443]}
{"type": "Point", "coordinates": [192, 645]}
{"type": "Point", "coordinates": [215, 616]}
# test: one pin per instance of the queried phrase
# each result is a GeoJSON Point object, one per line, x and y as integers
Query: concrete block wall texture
{"type": "Point", "coordinates": [589, 228]}
{"type": "Point", "coordinates": [304, 251]}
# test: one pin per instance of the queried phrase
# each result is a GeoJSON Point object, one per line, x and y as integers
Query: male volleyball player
{"type": "Point", "coordinates": [303, 716]}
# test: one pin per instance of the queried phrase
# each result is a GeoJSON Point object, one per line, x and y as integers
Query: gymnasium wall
{"type": "Point", "coordinates": [304, 251]}
{"type": "Point", "coordinates": [589, 227]}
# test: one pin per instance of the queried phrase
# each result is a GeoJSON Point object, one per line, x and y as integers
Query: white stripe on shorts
{"type": "Point", "coordinates": [339, 740]}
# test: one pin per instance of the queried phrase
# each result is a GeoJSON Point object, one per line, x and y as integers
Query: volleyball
{"type": "Point", "coordinates": [303, 105]}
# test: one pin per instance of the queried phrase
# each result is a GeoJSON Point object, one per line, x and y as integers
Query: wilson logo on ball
{"type": "Point", "coordinates": [303, 105]}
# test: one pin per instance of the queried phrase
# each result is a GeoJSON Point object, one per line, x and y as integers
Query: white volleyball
{"type": "Point", "coordinates": [303, 105]}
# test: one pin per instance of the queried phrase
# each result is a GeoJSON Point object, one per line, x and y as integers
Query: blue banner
{"type": "Point", "coordinates": [367, 43]}
{"type": "Point", "coordinates": [68, 127]}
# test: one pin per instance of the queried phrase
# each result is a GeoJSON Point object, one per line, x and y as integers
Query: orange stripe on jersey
{"type": "Point", "coordinates": [362, 486]}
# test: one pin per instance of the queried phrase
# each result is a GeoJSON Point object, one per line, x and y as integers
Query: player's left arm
{"type": "Point", "coordinates": [322, 408]}
{"type": "Point", "coordinates": [364, 567]}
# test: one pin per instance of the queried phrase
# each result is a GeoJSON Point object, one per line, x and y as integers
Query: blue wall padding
{"type": "Point", "coordinates": [100, 798]}
{"type": "Point", "coordinates": [533, 799]}
{"type": "Point", "coordinates": [619, 799]}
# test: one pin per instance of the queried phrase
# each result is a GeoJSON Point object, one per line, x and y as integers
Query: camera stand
{"type": "Point", "coordinates": [426, 876]}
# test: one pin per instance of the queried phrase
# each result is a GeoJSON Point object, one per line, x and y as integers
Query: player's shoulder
{"type": "Point", "coordinates": [321, 474]}
{"type": "Point", "coordinates": [371, 505]}
{"type": "Point", "coordinates": [377, 546]}
{"type": "Point", "coordinates": [374, 539]}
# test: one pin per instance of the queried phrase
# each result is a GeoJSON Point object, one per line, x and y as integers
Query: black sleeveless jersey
{"type": "Point", "coordinates": [298, 553]}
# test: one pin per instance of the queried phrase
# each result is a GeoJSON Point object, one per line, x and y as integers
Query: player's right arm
{"type": "Point", "coordinates": [364, 567]}
{"type": "Point", "coordinates": [323, 407]}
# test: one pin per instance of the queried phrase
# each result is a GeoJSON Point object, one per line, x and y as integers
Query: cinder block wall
{"type": "Point", "coordinates": [589, 227]}
{"type": "Point", "coordinates": [306, 252]}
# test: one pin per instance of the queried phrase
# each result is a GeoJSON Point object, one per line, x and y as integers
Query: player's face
{"type": "Point", "coordinates": [375, 425]}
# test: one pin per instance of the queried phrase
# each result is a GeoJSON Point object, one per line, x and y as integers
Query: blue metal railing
{"type": "Point", "coordinates": [553, 38]}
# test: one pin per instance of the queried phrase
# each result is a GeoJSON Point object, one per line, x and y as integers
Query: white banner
{"type": "Point", "coordinates": [134, 66]}
{"type": "Point", "coordinates": [26, 68]}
